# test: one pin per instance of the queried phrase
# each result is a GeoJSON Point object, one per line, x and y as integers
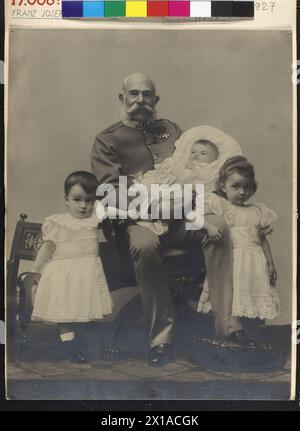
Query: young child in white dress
{"type": "Point", "coordinates": [254, 274]}
{"type": "Point", "coordinates": [72, 288]}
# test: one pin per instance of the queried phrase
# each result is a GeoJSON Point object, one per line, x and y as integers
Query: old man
{"type": "Point", "coordinates": [133, 145]}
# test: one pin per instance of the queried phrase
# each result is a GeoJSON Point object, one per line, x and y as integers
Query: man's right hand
{"type": "Point", "coordinates": [213, 233]}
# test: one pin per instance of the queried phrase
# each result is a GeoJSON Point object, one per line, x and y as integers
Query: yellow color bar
{"type": "Point", "coordinates": [136, 8]}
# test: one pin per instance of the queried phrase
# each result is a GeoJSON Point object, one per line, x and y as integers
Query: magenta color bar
{"type": "Point", "coordinates": [179, 8]}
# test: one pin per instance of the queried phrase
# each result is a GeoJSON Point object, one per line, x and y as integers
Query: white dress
{"type": "Point", "coordinates": [253, 296]}
{"type": "Point", "coordinates": [73, 286]}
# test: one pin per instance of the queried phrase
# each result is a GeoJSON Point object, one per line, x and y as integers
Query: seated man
{"type": "Point", "coordinates": [134, 145]}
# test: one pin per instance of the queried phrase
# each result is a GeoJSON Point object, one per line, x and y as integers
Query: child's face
{"type": "Point", "coordinates": [79, 203]}
{"type": "Point", "coordinates": [238, 189]}
{"type": "Point", "coordinates": [206, 153]}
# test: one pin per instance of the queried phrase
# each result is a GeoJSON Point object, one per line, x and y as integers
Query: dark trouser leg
{"type": "Point", "coordinates": [218, 256]}
{"type": "Point", "coordinates": [219, 263]}
{"type": "Point", "coordinates": [152, 280]}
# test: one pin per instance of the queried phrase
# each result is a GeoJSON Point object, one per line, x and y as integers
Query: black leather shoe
{"type": "Point", "coordinates": [238, 339]}
{"type": "Point", "coordinates": [160, 355]}
{"type": "Point", "coordinates": [71, 354]}
{"type": "Point", "coordinates": [77, 358]}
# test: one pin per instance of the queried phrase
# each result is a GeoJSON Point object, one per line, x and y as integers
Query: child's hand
{"type": "Point", "coordinates": [265, 230]}
{"type": "Point", "coordinates": [213, 233]}
{"type": "Point", "coordinates": [272, 275]}
{"type": "Point", "coordinates": [32, 278]}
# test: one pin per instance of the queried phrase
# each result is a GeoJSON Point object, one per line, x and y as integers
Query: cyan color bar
{"type": "Point", "coordinates": [93, 9]}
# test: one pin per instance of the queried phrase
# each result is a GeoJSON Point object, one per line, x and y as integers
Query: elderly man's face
{"type": "Point", "coordinates": [139, 98]}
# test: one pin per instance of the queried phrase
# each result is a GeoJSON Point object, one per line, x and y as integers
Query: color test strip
{"type": "Point", "coordinates": [157, 8]}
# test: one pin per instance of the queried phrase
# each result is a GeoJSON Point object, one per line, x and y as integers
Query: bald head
{"type": "Point", "coordinates": [138, 78]}
{"type": "Point", "coordinates": [139, 97]}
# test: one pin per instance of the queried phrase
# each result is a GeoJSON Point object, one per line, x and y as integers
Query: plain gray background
{"type": "Point", "coordinates": [63, 90]}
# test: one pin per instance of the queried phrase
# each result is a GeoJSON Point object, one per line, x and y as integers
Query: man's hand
{"type": "Point", "coordinates": [213, 233]}
{"type": "Point", "coordinates": [272, 275]}
{"type": "Point", "coordinates": [171, 179]}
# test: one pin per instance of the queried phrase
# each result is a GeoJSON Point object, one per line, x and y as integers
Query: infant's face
{"type": "Point", "coordinates": [203, 153]}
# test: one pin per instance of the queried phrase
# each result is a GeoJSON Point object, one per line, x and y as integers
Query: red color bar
{"type": "Point", "coordinates": [157, 8]}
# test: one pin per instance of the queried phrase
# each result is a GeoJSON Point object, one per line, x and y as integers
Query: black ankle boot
{"type": "Point", "coordinates": [160, 355]}
{"type": "Point", "coordinates": [239, 339]}
{"type": "Point", "coordinates": [71, 354]}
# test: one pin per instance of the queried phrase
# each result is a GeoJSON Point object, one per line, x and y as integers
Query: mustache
{"type": "Point", "coordinates": [137, 107]}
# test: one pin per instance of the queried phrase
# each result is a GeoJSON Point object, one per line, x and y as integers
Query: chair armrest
{"type": "Point", "coordinates": [26, 281]}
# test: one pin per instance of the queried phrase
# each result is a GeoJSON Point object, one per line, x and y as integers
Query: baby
{"type": "Point", "coordinates": [199, 154]}
{"type": "Point", "coordinates": [203, 151]}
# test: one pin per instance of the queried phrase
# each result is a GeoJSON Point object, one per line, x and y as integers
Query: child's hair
{"type": "Point", "coordinates": [237, 164]}
{"type": "Point", "coordinates": [85, 179]}
{"type": "Point", "coordinates": [208, 143]}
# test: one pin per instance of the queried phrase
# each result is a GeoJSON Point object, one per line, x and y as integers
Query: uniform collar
{"type": "Point", "coordinates": [140, 125]}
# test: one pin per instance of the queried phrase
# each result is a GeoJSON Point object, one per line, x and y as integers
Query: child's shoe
{"type": "Point", "coordinates": [71, 354]}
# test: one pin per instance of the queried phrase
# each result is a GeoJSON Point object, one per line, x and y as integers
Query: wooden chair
{"type": "Point", "coordinates": [186, 273]}
{"type": "Point", "coordinates": [27, 241]}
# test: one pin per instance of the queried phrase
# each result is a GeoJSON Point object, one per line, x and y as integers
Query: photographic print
{"type": "Point", "coordinates": [191, 305]}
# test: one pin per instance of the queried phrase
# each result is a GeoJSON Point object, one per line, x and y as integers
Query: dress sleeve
{"type": "Point", "coordinates": [267, 216]}
{"type": "Point", "coordinates": [51, 231]}
{"type": "Point", "coordinates": [213, 204]}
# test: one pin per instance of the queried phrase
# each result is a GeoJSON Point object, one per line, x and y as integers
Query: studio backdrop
{"type": "Point", "coordinates": [238, 81]}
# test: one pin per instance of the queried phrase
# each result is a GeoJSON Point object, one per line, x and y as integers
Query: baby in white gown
{"type": "Point", "coordinates": [254, 274]}
{"type": "Point", "coordinates": [199, 154]}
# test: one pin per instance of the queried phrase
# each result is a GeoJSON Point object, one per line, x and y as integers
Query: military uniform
{"type": "Point", "coordinates": [127, 148]}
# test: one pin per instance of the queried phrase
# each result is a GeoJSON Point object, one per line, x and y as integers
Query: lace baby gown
{"type": "Point", "coordinates": [253, 296]}
{"type": "Point", "coordinates": [174, 168]}
{"type": "Point", "coordinates": [73, 286]}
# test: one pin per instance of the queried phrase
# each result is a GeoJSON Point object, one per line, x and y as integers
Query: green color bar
{"type": "Point", "coordinates": [114, 8]}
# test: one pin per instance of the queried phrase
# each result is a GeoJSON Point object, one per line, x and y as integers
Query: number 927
{"type": "Point", "coordinates": [265, 6]}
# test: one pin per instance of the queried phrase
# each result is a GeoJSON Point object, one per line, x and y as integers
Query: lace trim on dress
{"type": "Point", "coordinates": [257, 306]}
{"type": "Point", "coordinates": [261, 307]}
{"type": "Point", "coordinates": [204, 304]}
{"type": "Point", "coordinates": [70, 222]}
